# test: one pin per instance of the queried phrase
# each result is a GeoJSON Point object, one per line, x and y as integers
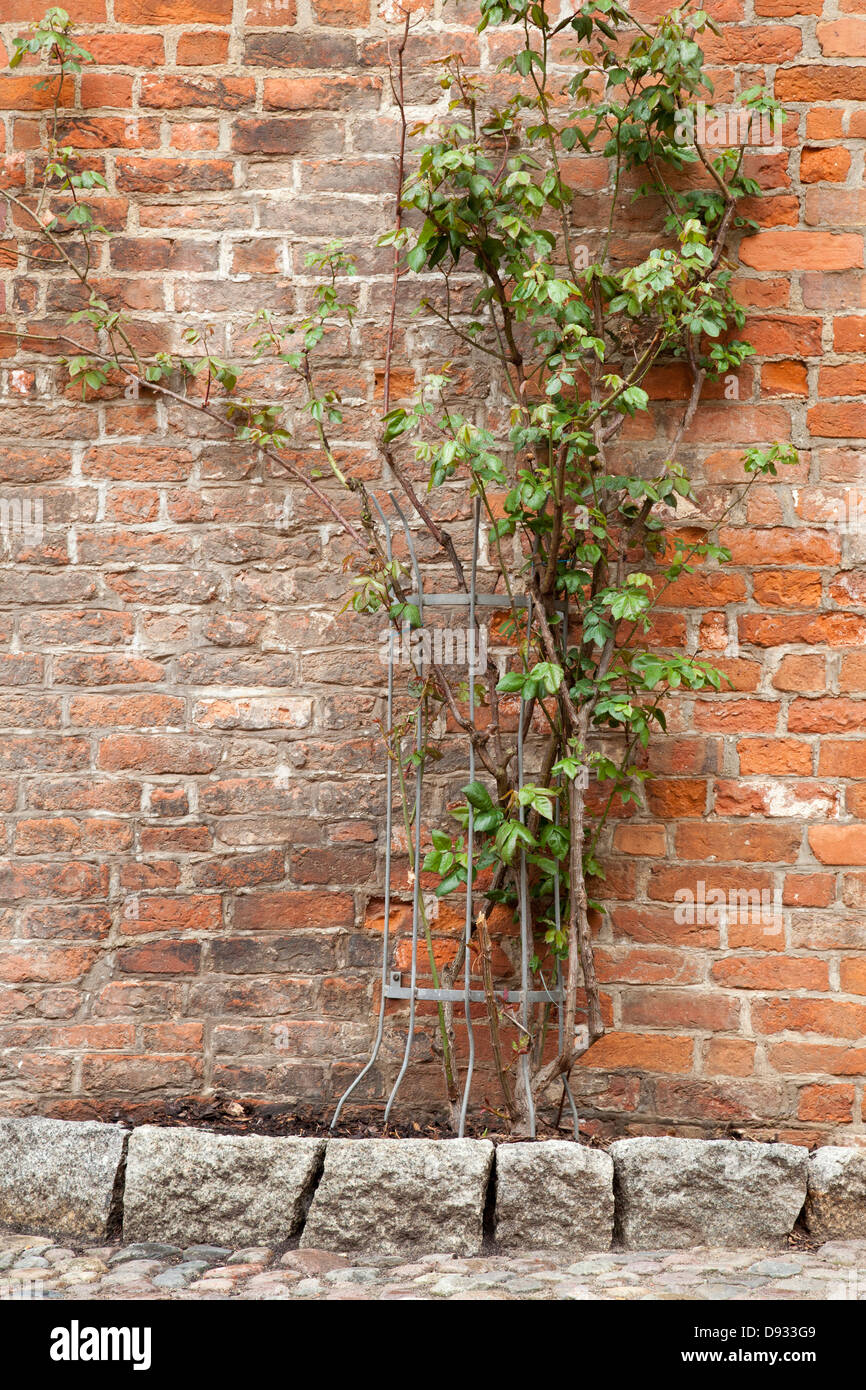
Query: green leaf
{"type": "Point", "coordinates": [478, 796]}
{"type": "Point", "coordinates": [512, 682]}
{"type": "Point", "coordinates": [453, 881]}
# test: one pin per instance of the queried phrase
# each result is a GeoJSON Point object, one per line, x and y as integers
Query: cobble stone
{"type": "Point", "coordinates": [835, 1271]}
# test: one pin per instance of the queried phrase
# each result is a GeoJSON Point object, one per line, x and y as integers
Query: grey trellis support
{"type": "Point", "coordinates": [391, 981]}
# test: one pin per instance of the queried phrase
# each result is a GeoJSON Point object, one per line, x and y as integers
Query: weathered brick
{"type": "Point", "coordinates": [192, 912]}
{"type": "Point", "coordinates": [173, 11]}
{"type": "Point", "coordinates": [838, 844]}
{"type": "Point", "coordinates": [653, 1052]}
{"type": "Point", "coordinates": [173, 93]}
{"type": "Point", "coordinates": [287, 135]}
{"type": "Point", "coordinates": [169, 753]}
{"type": "Point", "coordinates": [793, 250]}
{"type": "Point", "coordinates": [191, 775]}
{"type": "Point", "coordinates": [296, 908]}
{"type": "Point", "coordinates": [160, 958]}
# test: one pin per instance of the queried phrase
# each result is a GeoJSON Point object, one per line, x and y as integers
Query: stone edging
{"type": "Point", "coordinates": [86, 1180]}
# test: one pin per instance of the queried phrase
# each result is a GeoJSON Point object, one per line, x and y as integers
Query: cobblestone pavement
{"type": "Point", "coordinates": [33, 1266]}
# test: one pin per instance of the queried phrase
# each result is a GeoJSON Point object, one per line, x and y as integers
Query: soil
{"type": "Point", "coordinates": [227, 1115]}
{"type": "Point", "coordinates": [224, 1115]}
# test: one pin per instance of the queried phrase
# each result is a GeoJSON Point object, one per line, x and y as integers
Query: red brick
{"type": "Point", "coordinates": [92, 668]}
{"type": "Point", "coordinates": [827, 629]}
{"type": "Point", "coordinates": [836, 421]}
{"type": "Point", "coordinates": [647, 965]}
{"type": "Point", "coordinates": [677, 798]}
{"type": "Point", "coordinates": [279, 12]}
{"type": "Point", "coordinates": [172, 1037]}
{"type": "Point", "coordinates": [781, 545]}
{"type": "Point", "coordinates": [679, 1008]}
{"type": "Point", "coordinates": [202, 49]}
{"type": "Point", "coordinates": [798, 1059]}
{"type": "Point", "coordinates": [849, 334]}
{"type": "Point", "coordinates": [350, 866]}
{"type": "Point", "coordinates": [843, 38]}
{"type": "Point", "coordinates": [824, 165]}
{"type": "Point", "coordinates": [853, 975]}
{"type": "Point", "coordinates": [771, 972]}
{"type": "Point", "coordinates": [321, 93]}
{"type": "Point", "coordinates": [656, 926]}
{"type": "Point", "coordinates": [126, 50]}
{"type": "Point", "coordinates": [838, 844]}
{"type": "Point", "coordinates": [86, 11]}
{"type": "Point", "coordinates": [346, 13]}
{"type": "Point", "coordinates": [287, 135]}
{"type": "Point", "coordinates": [39, 961]}
{"type": "Point", "coordinates": [640, 839]}
{"type": "Point", "coordinates": [652, 1052]}
{"type": "Point", "coordinates": [752, 716]}
{"type": "Point", "coordinates": [295, 908]}
{"type": "Point", "coordinates": [111, 90]}
{"type": "Point", "coordinates": [794, 250]}
{"type": "Point", "coordinates": [160, 175]}
{"type": "Point", "coordinates": [824, 123]}
{"type": "Point", "coordinates": [195, 912]}
{"type": "Point", "coordinates": [23, 93]}
{"type": "Point", "coordinates": [764, 43]}
{"type": "Point", "coordinates": [757, 844]}
{"type": "Point", "coordinates": [784, 379]}
{"type": "Point", "coordinates": [828, 1017]}
{"type": "Point", "coordinates": [816, 83]}
{"type": "Point", "coordinates": [174, 573]}
{"type": "Point", "coordinates": [160, 958]}
{"type": "Point", "coordinates": [826, 1104]}
{"type": "Point", "coordinates": [724, 1100]}
{"type": "Point", "coordinates": [240, 870]}
{"type": "Point", "coordinates": [809, 890]}
{"type": "Point", "coordinates": [61, 834]}
{"type": "Point", "coordinates": [827, 716]}
{"type": "Point", "coordinates": [788, 588]}
{"type": "Point", "coordinates": [853, 672]}
{"type": "Point", "coordinates": [142, 876]}
{"type": "Point", "coordinates": [774, 756]}
{"type": "Point", "coordinates": [136, 1076]}
{"type": "Point", "coordinates": [729, 1057]}
{"type": "Point", "coordinates": [173, 11]}
{"type": "Point", "coordinates": [170, 753]}
{"type": "Point", "coordinates": [175, 93]}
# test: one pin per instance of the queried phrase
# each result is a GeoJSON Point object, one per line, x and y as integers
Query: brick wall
{"type": "Point", "coordinates": [189, 769]}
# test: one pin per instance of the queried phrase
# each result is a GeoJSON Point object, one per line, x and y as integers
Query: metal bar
{"type": "Point", "coordinates": [506, 996]}
{"type": "Point", "coordinates": [481, 601]}
{"type": "Point", "coordinates": [470, 834]}
{"type": "Point", "coordinates": [557, 917]}
{"type": "Point", "coordinates": [535, 996]}
{"type": "Point", "coordinates": [420, 598]}
{"type": "Point", "coordinates": [416, 886]}
{"type": "Point", "coordinates": [389, 795]}
{"type": "Point", "coordinates": [525, 917]}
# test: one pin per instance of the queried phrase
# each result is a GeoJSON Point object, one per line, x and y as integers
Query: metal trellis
{"type": "Point", "coordinates": [392, 986]}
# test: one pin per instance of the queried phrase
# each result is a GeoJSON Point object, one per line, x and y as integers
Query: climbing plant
{"type": "Point", "coordinates": [570, 330]}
